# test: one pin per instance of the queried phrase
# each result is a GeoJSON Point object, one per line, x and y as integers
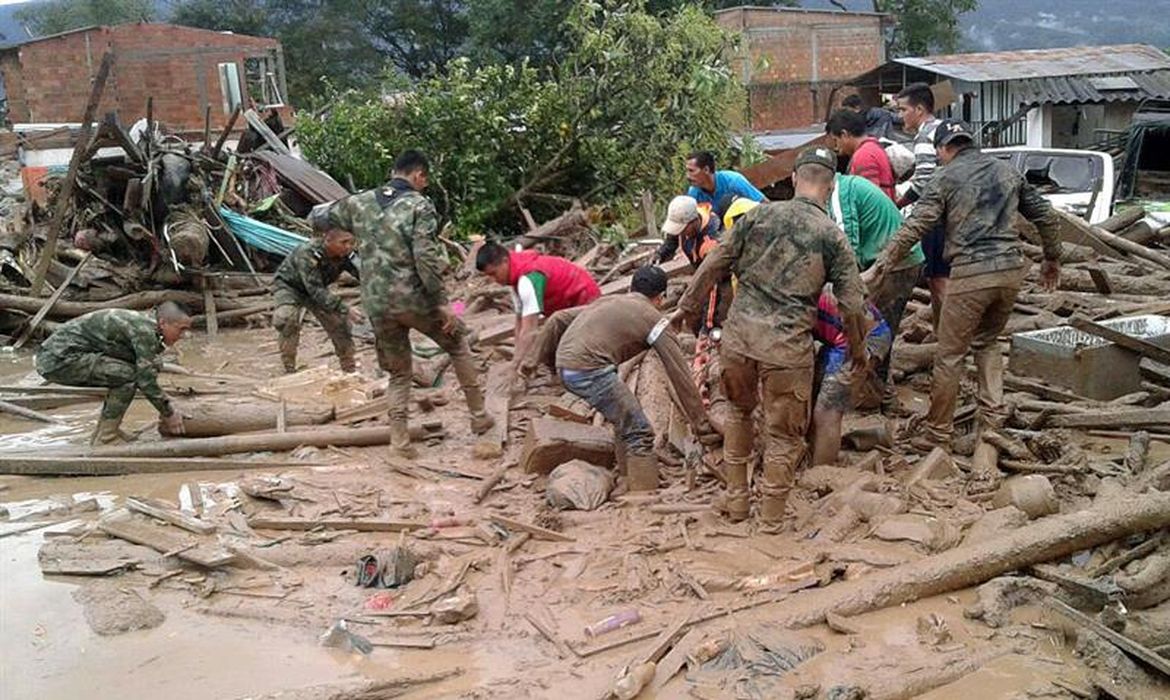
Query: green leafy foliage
{"type": "Point", "coordinates": [614, 114]}
{"type": "Point", "coordinates": [58, 16]}
{"type": "Point", "coordinates": [925, 26]}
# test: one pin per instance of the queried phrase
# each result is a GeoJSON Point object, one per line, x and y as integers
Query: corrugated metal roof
{"type": "Point", "coordinates": [771, 141]}
{"type": "Point", "coordinates": [1089, 89]}
{"type": "Point", "coordinates": [1042, 63]}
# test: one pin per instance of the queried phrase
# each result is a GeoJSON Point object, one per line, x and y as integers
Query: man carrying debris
{"type": "Point", "coordinates": [402, 286]}
{"type": "Point", "coordinates": [118, 349]}
{"type": "Point", "coordinates": [916, 106]}
{"type": "Point", "coordinates": [590, 342]}
{"type": "Point", "coordinates": [782, 254]}
{"type": "Point", "coordinates": [302, 282]}
{"type": "Point", "coordinates": [975, 196]}
{"type": "Point", "coordinates": [709, 186]}
{"type": "Point", "coordinates": [541, 285]}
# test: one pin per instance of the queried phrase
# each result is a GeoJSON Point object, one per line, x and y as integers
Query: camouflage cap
{"type": "Point", "coordinates": [818, 155]}
{"type": "Point", "coordinates": [321, 218]}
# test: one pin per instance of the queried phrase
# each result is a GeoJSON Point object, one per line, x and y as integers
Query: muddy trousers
{"type": "Point", "coordinates": [287, 321]}
{"type": "Point", "coordinates": [891, 298]}
{"type": "Point", "coordinates": [970, 320]}
{"type": "Point", "coordinates": [786, 394]}
{"type": "Point", "coordinates": [608, 394]}
{"type": "Point", "coordinates": [392, 342]}
{"type": "Point", "coordinates": [92, 369]}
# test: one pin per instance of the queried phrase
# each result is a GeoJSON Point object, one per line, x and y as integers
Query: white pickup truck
{"type": "Point", "coordinates": [1072, 180]}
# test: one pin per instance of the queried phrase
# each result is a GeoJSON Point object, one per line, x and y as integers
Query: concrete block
{"type": "Point", "coordinates": [550, 443]}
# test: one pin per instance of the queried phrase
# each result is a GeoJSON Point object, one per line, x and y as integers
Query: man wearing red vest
{"type": "Point", "coordinates": [541, 285]}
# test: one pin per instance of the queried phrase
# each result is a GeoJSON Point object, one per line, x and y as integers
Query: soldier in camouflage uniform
{"type": "Point", "coordinates": [402, 286]}
{"type": "Point", "coordinates": [782, 254]}
{"type": "Point", "coordinates": [118, 349]}
{"type": "Point", "coordinates": [976, 196]}
{"type": "Point", "coordinates": [302, 282]}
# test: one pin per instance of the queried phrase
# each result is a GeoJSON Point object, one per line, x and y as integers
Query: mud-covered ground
{"type": "Point", "coordinates": [252, 629]}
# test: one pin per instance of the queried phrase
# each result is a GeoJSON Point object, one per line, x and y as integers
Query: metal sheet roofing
{"type": "Point", "coordinates": [1090, 89]}
{"type": "Point", "coordinates": [1043, 63]}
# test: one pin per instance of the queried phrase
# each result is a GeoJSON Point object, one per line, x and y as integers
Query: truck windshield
{"type": "Point", "coordinates": [1054, 173]}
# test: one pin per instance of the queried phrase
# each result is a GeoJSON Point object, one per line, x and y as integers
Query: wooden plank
{"type": "Point", "coordinates": [536, 531]}
{"type": "Point", "coordinates": [1100, 280]}
{"type": "Point", "coordinates": [405, 643]}
{"type": "Point", "coordinates": [563, 649]}
{"type": "Point", "coordinates": [1128, 342]}
{"type": "Point", "coordinates": [32, 325]}
{"type": "Point", "coordinates": [42, 402]}
{"type": "Point", "coordinates": [169, 513]}
{"type": "Point", "coordinates": [673, 662]}
{"type": "Point", "coordinates": [1155, 371]}
{"type": "Point", "coordinates": [359, 524]}
{"type": "Point", "coordinates": [227, 131]}
{"type": "Point", "coordinates": [490, 445]}
{"type": "Point", "coordinates": [1044, 391]}
{"type": "Point", "coordinates": [96, 391]}
{"type": "Point", "coordinates": [64, 200]}
{"type": "Point", "coordinates": [267, 134]}
{"type": "Point", "coordinates": [209, 315]}
{"type": "Point", "coordinates": [162, 539]}
{"type": "Point", "coordinates": [81, 465]}
{"type": "Point", "coordinates": [1122, 642]}
{"type": "Point", "coordinates": [1146, 418]}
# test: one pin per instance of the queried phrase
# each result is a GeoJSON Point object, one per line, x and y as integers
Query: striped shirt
{"type": "Point", "coordinates": [925, 157]}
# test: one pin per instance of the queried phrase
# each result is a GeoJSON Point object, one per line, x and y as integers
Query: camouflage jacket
{"type": "Point", "coordinates": [782, 254]}
{"type": "Point", "coordinates": [308, 271]}
{"type": "Point", "coordinates": [977, 196]}
{"type": "Point", "coordinates": [402, 263]}
{"type": "Point", "coordinates": [119, 334]}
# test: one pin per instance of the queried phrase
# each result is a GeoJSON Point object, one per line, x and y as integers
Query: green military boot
{"type": "Point", "coordinates": [109, 431]}
{"type": "Point", "coordinates": [400, 441]}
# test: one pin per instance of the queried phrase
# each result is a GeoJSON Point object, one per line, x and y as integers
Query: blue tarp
{"type": "Point", "coordinates": [260, 235]}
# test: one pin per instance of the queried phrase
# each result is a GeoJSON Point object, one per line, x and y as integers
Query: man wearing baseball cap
{"type": "Point", "coordinates": [782, 254]}
{"type": "Point", "coordinates": [975, 196]}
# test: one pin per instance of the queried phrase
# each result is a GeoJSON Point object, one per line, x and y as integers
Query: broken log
{"type": "Point", "coordinates": [115, 466]}
{"type": "Point", "coordinates": [227, 131]}
{"type": "Point", "coordinates": [1148, 418]}
{"type": "Point", "coordinates": [21, 411]}
{"type": "Point", "coordinates": [1046, 539]}
{"type": "Point", "coordinates": [230, 444]}
{"type": "Point", "coordinates": [214, 418]}
{"type": "Point", "coordinates": [565, 225]}
{"type": "Point", "coordinates": [1123, 219]}
{"type": "Point", "coordinates": [139, 301]}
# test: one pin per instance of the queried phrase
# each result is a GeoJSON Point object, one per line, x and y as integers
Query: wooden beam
{"type": "Point", "coordinates": [536, 531]}
{"type": "Point", "coordinates": [359, 524]}
{"type": "Point", "coordinates": [1145, 418]}
{"type": "Point", "coordinates": [267, 134]}
{"type": "Point", "coordinates": [227, 131]}
{"type": "Point", "coordinates": [21, 411]}
{"type": "Point", "coordinates": [168, 513]}
{"type": "Point", "coordinates": [1142, 347]}
{"type": "Point", "coordinates": [53, 299]}
{"type": "Point", "coordinates": [34, 465]}
{"type": "Point", "coordinates": [126, 527]}
{"type": "Point", "coordinates": [498, 405]}
{"type": "Point", "coordinates": [1120, 641]}
{"type": "Point", "coordinates": [64, 199]}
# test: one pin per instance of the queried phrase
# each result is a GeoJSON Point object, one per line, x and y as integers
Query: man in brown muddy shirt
{"type": "Point", "coordinates": [591, 341]}
{"type": "Point", "coordinates": [975, 195]}
{"type": "Point", "coordinates": [782, 254]}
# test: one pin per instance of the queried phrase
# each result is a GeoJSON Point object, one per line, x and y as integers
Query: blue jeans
{"type": "Point", "coordinates": [605, 392]}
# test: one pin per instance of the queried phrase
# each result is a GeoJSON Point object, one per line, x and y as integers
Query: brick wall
{"type": "Point", "coordinates": [50, 80]}
{"type": "Point", "coordinates": [790, 60]}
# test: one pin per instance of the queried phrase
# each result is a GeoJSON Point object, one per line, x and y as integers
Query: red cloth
{"type": "Point", "coordinates": [568, 285]}
{"type": "Point", "coordinates": [871, 162]}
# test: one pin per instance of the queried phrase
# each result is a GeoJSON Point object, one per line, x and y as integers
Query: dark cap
{"type": "Point", "coordinates": [951, 129]}
{"type": "Point", "coordinates": [649, 281]}
{"type": "Point", "coordinates": [818, 155]}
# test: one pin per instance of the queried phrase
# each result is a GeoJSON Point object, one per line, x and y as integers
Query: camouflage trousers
{"type": "Point", "coordinates": [92, 369]}
{"type": "Point", "coordinates": [287, 321]}
{"type": "Point", "coordinates": [392, 342]}
{"type": "Point", "coordinates": [787, 394]}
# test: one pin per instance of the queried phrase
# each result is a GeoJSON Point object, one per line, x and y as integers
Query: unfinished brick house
{"type": "Point", "coordinates": [184, 70]}
{"type": "Point", "coordinates": [792, 60]}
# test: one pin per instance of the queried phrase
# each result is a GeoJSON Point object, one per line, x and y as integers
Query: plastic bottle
{"type": "Point", "coordinates": [615, 621]}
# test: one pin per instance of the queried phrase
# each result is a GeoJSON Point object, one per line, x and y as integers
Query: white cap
{"type": "Point", "coordinates": [682, 211]}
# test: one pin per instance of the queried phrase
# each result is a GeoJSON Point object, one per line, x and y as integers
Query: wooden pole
{"type": "Point", "coordinates": [115, 466]}
{"type": "Point", "coordinates": [65, 194]}
{"type": "Point", "coordinates": [44, 310]}
{"type": "Point", "coordinates": [6, 407]}
{"type": "Point", "coordinates": [227, 131]}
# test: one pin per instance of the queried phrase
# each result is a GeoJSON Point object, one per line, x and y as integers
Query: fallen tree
{"type": "Point", "coordinates": [969, 565]}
